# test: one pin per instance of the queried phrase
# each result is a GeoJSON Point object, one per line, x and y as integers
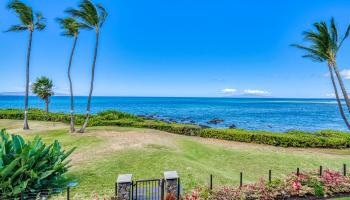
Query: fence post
{"type": "Point", "coordinates": [211, 182]}
{"type": "Point", "coordinates": [162, 189]}
{"type": "Point", "coordinates": [321, 170]}
{"type": "Point", "coordinates": [241, 179]}
{"type": "Point", "coordinates": [298, 171]}
{"type": "Point", "coordinates": [172, 183]}
{"type": "Point", "coordinates": [270, 176]}
{"type": "Point", "coordinates": [344, 169]}
{"type": "Point", "coordinates": [124, 186]}
{"type": "Point", "coordinates": [178, 188]}
{"type": "Point", "coordinates": [68, 192]}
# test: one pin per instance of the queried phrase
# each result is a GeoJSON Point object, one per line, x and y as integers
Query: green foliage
{"type": "Point", "coordinates": [320, 139]}
{"type": "Point", "coordinates": [70, 26]}
{"type": "Point", "coordinates": [30, 166]}
{"type": "Point", "coordinates": [42, 87]}
{"type": "Point", "coordinates": [325, 42]}
{"type": "Point", "coordinates": [92, 16]}
{"type": "Point", "coordinates": [26, 17]}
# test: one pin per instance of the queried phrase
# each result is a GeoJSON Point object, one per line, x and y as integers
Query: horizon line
{"type": "Point", "coordinates": [223, 97]}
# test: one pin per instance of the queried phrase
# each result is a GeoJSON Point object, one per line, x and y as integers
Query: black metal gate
{"type": "Point", "coordinates": [152, 189]}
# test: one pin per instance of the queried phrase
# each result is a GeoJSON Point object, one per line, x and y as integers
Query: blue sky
{"type": "Point", "coordinates": [180, 48]}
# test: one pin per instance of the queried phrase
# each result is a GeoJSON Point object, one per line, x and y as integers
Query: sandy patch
{"type": "Point", "coordinates": [16, 126]}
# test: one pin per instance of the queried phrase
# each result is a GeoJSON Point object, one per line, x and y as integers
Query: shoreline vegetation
{"type": "Point", "coordinates": [294, 138]}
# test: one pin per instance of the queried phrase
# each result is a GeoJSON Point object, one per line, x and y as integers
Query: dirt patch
{"type": "Point", "coordinates": [121, 140]}
{"type": "Point", "coordinates": [16, 126]}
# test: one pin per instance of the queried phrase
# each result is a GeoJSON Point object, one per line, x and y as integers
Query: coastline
{"type": "Point", "coordinates": [319, 139]}
{"type": "Point", "coordinates": [268, 114]}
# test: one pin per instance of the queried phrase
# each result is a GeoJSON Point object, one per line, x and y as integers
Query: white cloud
{"type": "Point", "coordinates": [228, 90]}
{"type": "Point", "coordinates": [345, 73]}
{"type": "Point", "coordinates": [256, 92]}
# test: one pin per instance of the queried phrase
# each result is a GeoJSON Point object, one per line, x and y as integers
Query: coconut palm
{"type": "Point", "coordinates": [43, 89]}
{"type": "Point", "coordinates": [71, 28]}
{"type": "Point", "coordinates": [325, 43]}
{"type": "Point", "coordinates": [28, 22]}
{"type": "Point", "coordinates": [93, 16]}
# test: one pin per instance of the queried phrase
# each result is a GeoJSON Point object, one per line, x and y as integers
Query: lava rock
{"type": "Point", "coordinates": [215, 121]}
{"type": "Point", "coordinates": [203, 126]}
{"type": "Point", "coordinates": [232, 126]}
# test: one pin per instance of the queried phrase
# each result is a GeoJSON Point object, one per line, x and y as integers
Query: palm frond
{"type": "Point", "coordinates": [89, 8]}
{"type": "Point", "coordinates": [17, 28]}
{"type": "Point", "coordinates": [102, 14]}
{"type": "Point", "coordinates": [81, 15]}
{"type": "Point", "coordinates": [40, 23]}
{"type": "Point", "coordinates": [312, 51]}
{"type": "Point", "coordinates": [334, 31]}
{"type": "Point", "coordinates": [71, 26]}
{"type": "Point", "coordinates": [67, 25]}
{"type": "Point", "coordinates": [323, 41]}
{"type": "Point", "coordinates": [93, 16]}
{"type": "Point", "coordinates": [313, 57]}
{"type": "Point", "coordinates": [345, 36]}
{"type": "Point", "coordinates": [23, 11]}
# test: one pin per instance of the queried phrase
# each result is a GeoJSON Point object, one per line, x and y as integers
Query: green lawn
{"type": "Point", "coordinates": [105, 152]}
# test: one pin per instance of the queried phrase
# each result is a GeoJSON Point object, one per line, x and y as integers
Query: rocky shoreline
{"type": "Point", "coordinates": [214, 121]}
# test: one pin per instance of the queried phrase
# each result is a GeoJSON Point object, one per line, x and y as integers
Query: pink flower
{"type": "Point", "coordinates": [296, 185]}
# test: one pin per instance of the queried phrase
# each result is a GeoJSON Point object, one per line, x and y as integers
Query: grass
{"type": "Point", "coordinates": [105, 152]}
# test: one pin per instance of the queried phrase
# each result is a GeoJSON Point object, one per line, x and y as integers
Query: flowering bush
{"type": "Point", "coordinates": [330, 183]}
{"type": "Point", "coordinates": [334, 182]}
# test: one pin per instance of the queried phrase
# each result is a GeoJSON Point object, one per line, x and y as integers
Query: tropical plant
{"type": "Point", "coordinates": [28, 22]}
{"type": "Point", "coordinates": [30, 166]}
{"type": "Point", "coordinates": [325, 43]}
{"type": "Point", "coordinates": [93, 17]}
{"type": "Point", "coordinates": [71, 28]}
{"type": "Point", "coordinates": [43, 89]}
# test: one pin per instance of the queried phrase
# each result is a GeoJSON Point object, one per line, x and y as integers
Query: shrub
{"type": "Point", "coordinates": [295, 138]}
{"type": "Point", "coordinates": [30, 166]}
{"type": "Point", "coordinates": [293, 186]}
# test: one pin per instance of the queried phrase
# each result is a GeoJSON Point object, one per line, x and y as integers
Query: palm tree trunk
{"type": "Point", "coordinates": [337, 97]}
{"type": "Point", "coordinates": [47, 105]}
{"type": "Point", "coordinates": [72, 129]}
{"type": "Point", "coordinates": [91, 85]}
{"type": "Point", "coordinates": [26, 126]}
{"type": "Point", "coordinates": [340, 80]}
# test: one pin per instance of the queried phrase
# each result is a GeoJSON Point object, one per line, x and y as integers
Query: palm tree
{"type": "Point", "coordinates": [28, 22]}
{"type": "Point", "coordinates": [325, 43]}
{"type": "Point", "coordinates": [71, 28]}
{"type": "Point", "coordinates": [92, 16]}
{"type": "Point", "coordinates": [43, 89]}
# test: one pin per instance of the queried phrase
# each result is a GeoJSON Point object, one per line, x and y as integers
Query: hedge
{"type": "Point", "coordinates": [320, 139]}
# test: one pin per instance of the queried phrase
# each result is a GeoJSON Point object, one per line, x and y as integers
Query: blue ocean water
{"type": "Point", "coordinates": [273, 114]}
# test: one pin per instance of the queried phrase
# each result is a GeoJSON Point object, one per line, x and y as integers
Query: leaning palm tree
{"type": "Point", "coordinates": [43, 88]}
{"type": "Point", "coordinates": [325, 43]}
{"type": "Point", "coordinates": [28, 22]}
{"type": "Point", "coordinates": [71, 28]}
{"type": "Point", "coordinates": [93, 16]}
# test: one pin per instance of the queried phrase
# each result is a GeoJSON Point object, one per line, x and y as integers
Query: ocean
{"type": "Point", "coordinates": [271, 114]}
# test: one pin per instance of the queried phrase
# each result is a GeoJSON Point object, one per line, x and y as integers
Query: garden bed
{"type": "Point", "coordinates": [308, 185]}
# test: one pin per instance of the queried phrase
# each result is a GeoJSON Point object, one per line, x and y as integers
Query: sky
{"type": "Point", "coordinates": [186, 48]}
